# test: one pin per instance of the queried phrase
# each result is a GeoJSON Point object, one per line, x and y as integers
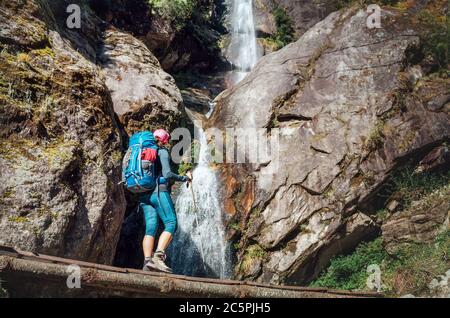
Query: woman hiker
{"type": "Point", "coordinates": [159, 204]}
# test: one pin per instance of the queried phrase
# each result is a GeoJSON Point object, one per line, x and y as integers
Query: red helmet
{"type": "Point", "coordinates": [162, 135]}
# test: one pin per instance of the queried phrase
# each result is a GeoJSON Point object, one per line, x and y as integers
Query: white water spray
{"type": "Point", "coordinates": [200, 247]}
{"type": "Point", "coordinates": [243, 48]}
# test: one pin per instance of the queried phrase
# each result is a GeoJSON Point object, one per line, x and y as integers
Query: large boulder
{"type": "Point", "coordinates": [351, 104]}
{"type": "Point", "coordinates": [143, 95]}
{"type": "Point", "coordinates": [60, 145]}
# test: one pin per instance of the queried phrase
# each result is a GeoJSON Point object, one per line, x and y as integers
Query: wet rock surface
{"type": "Point", "coordinates": [350, 109]}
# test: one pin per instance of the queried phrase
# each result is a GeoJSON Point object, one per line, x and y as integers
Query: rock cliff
{"type": "Point", "coordinates": [352, 104]}
{"type": "Point", "coordinates": [68, 97]}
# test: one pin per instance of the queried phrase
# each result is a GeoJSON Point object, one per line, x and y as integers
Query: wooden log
{"type": "Point", "coordinates": [33, 275]}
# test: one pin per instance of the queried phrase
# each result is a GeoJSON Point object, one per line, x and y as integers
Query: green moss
{"type": "Point", "coordinates": [271, 44]}
{"type": "Point", "coordinates": [184, 167]}
{"type": "Point", "coordinates": [8, 193]}
{"type": "Point", "coordinates": [23, 57]}
{"type": "Point", "coordinates": [224, 42]}
{"type": "Point", "coordinates": [254, 215]}
{"type": "Point", "coordinates": [44, 210]}
{"type": "Point", "coordinates": [59, 150]}
{"type": "Point", "coordinates": [47, 51]}
{"type": "Point", "coordinates": [304, 229]}
{"type": "Point", "coordinates": [116, 156]}
{"type": "Point", "coordinates": [36, 231]}
{"type": "Point", "coordinates": [235, 226]}
{"type": "Point", "coordinates": [255, 251]}
{"type": "Point", "coordinates": [18, 219]}
{"type": "Point", "coordinates": [413, 267]}
{"type": "Point", "coordinates": [252, 254]}
{"type": "Point", "coordinates": [376, 136]}
{"type": "Point", "coordinates": [382, 215]}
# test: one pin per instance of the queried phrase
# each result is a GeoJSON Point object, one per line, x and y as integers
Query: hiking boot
{"type": "Point", "coordinates": [149, 265]}
{"type": "Point", "coordinates": [159, 259]}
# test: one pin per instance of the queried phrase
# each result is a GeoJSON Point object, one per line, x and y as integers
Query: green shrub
{"type": "Point", "coordinates": [436, 37]}
{"type": "Point", "coordinates": [184, 167]}
{"type": "Point", "coordinates": [410, 270]}
{"type": "Point", "coordinates": [253, 253]}
{"type": "Point", "coordinates": [285, 32]}
{"type": "Point", "coordinates": [349, 272]}
{"type": "Point", "coordinates": [175, 10]}
{"type": "Point", "coordinates": [413, 266]}
{"type": "Point", "coordinates": [408, 185]}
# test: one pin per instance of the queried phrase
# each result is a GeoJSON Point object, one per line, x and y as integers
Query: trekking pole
{"type": "Point", "coordinates": [196, 221]}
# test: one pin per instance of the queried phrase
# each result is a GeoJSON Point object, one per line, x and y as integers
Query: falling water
{"type": "Point", "coordinates": [243, 49]}
{"type": "Point", "coordinates": [200, 247]}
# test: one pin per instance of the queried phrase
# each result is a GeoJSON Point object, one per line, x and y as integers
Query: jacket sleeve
{"type": "Point", "coordinates": [165, 165]}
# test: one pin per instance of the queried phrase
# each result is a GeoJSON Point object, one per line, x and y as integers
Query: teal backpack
{"type": "Point", "coordinates": [139, 175]}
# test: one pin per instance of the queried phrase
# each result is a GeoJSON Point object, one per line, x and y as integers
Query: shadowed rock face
{"type": "Point", "coordinates": [302, 13]}
{"type": "Point", "coordinates": [350, 108]}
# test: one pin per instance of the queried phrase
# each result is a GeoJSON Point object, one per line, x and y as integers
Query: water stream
{"type": "Point", "coordinates": [243, 50]}
{"type": "Point", "coordinates": [200, 247]}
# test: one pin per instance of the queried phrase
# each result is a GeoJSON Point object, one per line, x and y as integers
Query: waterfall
{"type": "Point", "coordinates": [200, 247]}
{"type": "Point", "coordinates": [243, 50]}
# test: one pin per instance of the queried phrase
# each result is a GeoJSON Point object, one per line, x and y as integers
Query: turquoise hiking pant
{"type": "Point", "coordinates": [154, 208]}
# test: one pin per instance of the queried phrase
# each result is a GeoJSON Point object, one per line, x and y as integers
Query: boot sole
{"type": "Point", "coordinates": [151, 268]}
{"type": "Point", "coordinates": [161, 269]}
